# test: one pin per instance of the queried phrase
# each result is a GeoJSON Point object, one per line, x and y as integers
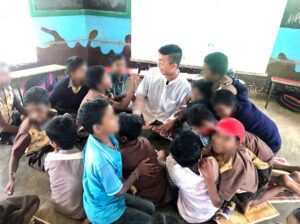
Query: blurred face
{"type": "Point", "coordinates": [291, 219]}
{"type": "Point", "coordinates": [196, 95]}
{"type": "Point", "coordinates": [38, 112]}
{"type": "Point", "coordinates": [119, 67]}
{"type": "Point", "coordinates": [110, 123]}
{"type": "Point", "coordinates": [4, 76]}
{"type": "Point", "coordinates": [223, 111]}
{"type": "Point", "coordinates": [223, 144]}
{"type": "Point", "coordinates": [208, 74]}
{"type": "Point", "coordinates": [205, 129]}
{"type": "Point", "coordinates": [78, 76]}
{"type": "Point", "coordinates": [105, 83]}
{"type": "Point", "coordinates": [164, 65]}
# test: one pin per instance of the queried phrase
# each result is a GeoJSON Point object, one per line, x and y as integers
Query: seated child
{"type": "Point", "coordinates": [134, 149]}
{"type": "Point", "coordinates": [226, 104]}
{"type": "Point", "coordinates": [65, 167]}
{"type": "Point", "coordinates": [9, 124]}
{"type": "Point", "coordinates": [99, 83]}
{"type": "Point", "coordinates": [119, 77]}
{"type": "Point", "coordinates": [203, 124]}
{"type": "Point", "coordinates": [194, 204]}
{"type": "Point", "coordinates": [31, 139]}
{"type": "Point", "coordinates": [69, 92]}
{"type": "Point", "coordinates": [215, 68]}
{"type": "Point", "coordinates": [202, 92]}
{"type": "Point", "coordinates": [104, 196]}
{"type": "Point", "coordinates": [243, 176]}
{"type": "Point", "coordinates": [15, 210]}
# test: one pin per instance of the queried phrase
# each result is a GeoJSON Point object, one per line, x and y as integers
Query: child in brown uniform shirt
{"type": "Point", "coordinates": [134, 149]}
{"type": "Point", "coordinates": [243, 176]}
{"type": "Point", "coordinates": [31, 139]}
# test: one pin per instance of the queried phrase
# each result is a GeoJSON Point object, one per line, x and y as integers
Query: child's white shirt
{"type": "Point", "coordinates": [193, 203]}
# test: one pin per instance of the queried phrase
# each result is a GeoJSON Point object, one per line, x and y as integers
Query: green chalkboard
{"type": "Point", "coordinates": [291, 16]}
{"type": "Point", "coordinates": [114, 8]}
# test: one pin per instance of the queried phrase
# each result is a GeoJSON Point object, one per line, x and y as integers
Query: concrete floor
{"type": "Point", "coordinates": [30, 181]}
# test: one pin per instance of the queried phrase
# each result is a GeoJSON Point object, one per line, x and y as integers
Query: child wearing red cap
{"type": "Point", "coordinates": [243, 176]}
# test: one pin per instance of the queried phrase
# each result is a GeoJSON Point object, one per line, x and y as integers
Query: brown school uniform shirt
{"type": "Point", "coordinates": [237, 174]}
{"type": "Point", "coordinates": [152, 188]}
{"type": "Point", "coordinates": [30, 138]}
{"type": "Point", "coordinates": [259, 148]}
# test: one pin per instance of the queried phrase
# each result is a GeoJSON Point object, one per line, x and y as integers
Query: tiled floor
{"type": "Point", "coordinates": [30, 181]}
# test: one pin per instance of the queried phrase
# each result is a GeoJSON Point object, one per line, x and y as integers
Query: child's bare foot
{"type": "Point", "coordinates": [289, 183]}
{"type": "Point", "coordinates": [245, 207]}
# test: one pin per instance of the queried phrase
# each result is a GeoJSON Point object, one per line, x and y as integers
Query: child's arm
{"type": "Point", "coordinates": [19, 106]}
{"type": "Point", "coordinates": [21, 143]}
{"type": "Point", "coordinates": [7, 127]}
{"type": "Point", "coordinates": [206, 168]}
{"type": "Point", "coordinates": [144, 168]}
{"type": "Point", "coordinates": [123, 104]}
{"type": "Point", "coordinates": [242, 91]}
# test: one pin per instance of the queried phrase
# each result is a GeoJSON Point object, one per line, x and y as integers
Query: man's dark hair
{"type": "Point", "coordinates": [197, 114]}
{"type": "Point", "coordinates": [173, 51]}
{"type": "Point", "coordinates": [36, 95]}
{"type": "Point", "coordinates": [116, 57]}
{"type": "Point", "coordinates": [204, 87]}
{"type": "Point", "coordinates": [73, 63]}
{"type": "Point", "coordinates": [130, 126]}
{"type": "Point", "coordinates": [62, 131]}
{"type": "Point", "coordinates": [217, 63]}
{"type": "Point", "coordinates": [94, 76]}
{"type": "Point", "coordinates": [224, 97]}
{"type": "Point", "coordinates": [186, 149]}
{"type": "Point", "coordinates": [92, 113]}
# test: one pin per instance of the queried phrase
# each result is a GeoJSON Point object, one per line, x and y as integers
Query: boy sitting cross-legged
{"type": "Point", "coordinates": [194, 203]}
{"type": "Point", "coordinates": [104, 198]}
{"type": "Point", "coordinates": [65, 167]}
{"type": "Point", "coordinates": [134, 149]}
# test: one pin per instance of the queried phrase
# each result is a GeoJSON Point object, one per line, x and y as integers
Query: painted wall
{"type": "Point", "coordinates": [97, 37]}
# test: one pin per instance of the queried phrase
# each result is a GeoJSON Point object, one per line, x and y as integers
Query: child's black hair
{"type": "Point", "coordinates": [197, 114]}
{"type": "Point", "coordinates": [36, 95]}
{"type": "Point", "coordinates": [94, 76]}
{"type": "Point", "coordinates": [224, 97]}
{"type": "Point", "coordinates": [204, 87]}
{"type": "Point", "coordinates": [217, 63]}
{"type": "Point", "coordinates": [62, 131]}
{"type": "Point", "coordinates": [73, 63]}
{"type": "Point", "coordinates": [92, 113]}
{"type": "Point", "coordinates": [130, 126]}
{"type": "Point", "coordinates": [116, 57]}
{"type": "Point", "coordinates": [173, 51]}
{"type": "Point", "coordinates": [186, 149]}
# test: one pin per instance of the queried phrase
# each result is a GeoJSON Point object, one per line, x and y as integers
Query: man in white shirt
{"type": "Point", "coordinates": [194, 204]}
{"type": "Point", "coordinates": [163, 90]}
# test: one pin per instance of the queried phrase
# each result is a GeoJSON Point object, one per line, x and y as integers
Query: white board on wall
{"type": "Point", "coordinates": [245, 30]}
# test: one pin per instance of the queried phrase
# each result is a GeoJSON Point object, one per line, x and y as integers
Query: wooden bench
{"type": "Point", "coordinates": [283, 81]}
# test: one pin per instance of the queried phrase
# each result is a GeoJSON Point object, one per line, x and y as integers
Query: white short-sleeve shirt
{"type": "Point", "coordinates": [161, 99]}
{"type": "Point", "coordinates": [194, 204]}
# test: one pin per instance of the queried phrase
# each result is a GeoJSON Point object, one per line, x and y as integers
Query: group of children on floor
{"type": "Point", "coordinates": [222, 146]}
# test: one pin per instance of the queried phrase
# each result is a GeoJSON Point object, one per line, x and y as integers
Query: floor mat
{"type": "Point", "coordinates": [256, 214]}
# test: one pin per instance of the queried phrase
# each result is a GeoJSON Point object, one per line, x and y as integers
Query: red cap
{"type": "Point", "coordinates": [231, 127]}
